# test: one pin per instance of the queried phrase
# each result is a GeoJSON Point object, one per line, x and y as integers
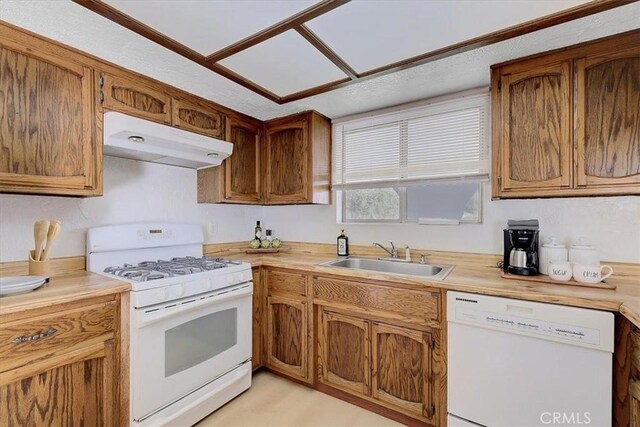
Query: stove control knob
{"type": "Point", "coordinates": [230, 279]}
{"type": "Point", "coordinates": [179, 291]}
{"type": "Point", "coordinates": [161, 295]}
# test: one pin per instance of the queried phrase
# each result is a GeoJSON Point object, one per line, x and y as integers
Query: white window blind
{"type": "Point", "coordinates": [442, 141]}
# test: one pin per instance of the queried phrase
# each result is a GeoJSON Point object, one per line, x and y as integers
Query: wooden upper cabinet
{"type": "Point", "coordinates": [344, 352]}
{"type": "Point", "coordinates": [48, 141]}
{"type": "Point", "coordinates": [536, 132]}
{"type": "Point", "coordinates": [287, 162]}
{"type": "Point", "coordinates": [287, 149]}
{"type": "Point", "coordinates": [567, 122]}
{"type": "Point", "coordinates": [198, 117]}
{"type": "Point", "coordinates": [608, 129]}
{"type": "Point", "coordinates": [402, 370]}
{"type": "Point", "coordinates": [297, 154]}
{"type": "Point", "coordinates": [136, 97]}
{"type": "Point", "coordinates": [239, 178]}
{"type": "Point", "coordinates": [242, 168]}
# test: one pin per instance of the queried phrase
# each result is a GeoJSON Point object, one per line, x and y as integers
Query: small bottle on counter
{"type": "Point", "coordinates": [258, 231]}
{"type": "Point", "coordinates": [343, 245]}
{"type": "Point", "coordinates": [269, 236]}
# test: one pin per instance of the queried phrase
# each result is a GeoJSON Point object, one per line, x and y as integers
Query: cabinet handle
{"type": "Point", "coordinates": [101, 97]}
{"type": "Point", "coordinates": [46, 333]}
{"type": "Point", "coordinates": [101, 80]}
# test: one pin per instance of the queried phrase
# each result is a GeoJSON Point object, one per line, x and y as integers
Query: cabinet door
{"type": "Point", "coordinates": [402, 370]}
{"type": "Point", "coordinates": [344, 352]}
{"type": "Point", "coordinates": [608, 119]}
{"type": "Point", "coordinates": [287, 336]}
{"type": "Point", "coordinates": [536, 136]}
{"type": "Point", "coordinates": [258, 320]}
{"type": "Point", "coordinates": [197, 117]}
{"type": "Point", "coordinates": [242, 168]}
{"type": "Point", "coordinates": [72, 389]}
{"type": "Point", "coordinates": [287, 163]}
{"type": "Point", "coordinates": [48, 143]}
{"type": "Point", "coordinates": [138, 98]}
{"type": "Point", "coordinates": [634, 392]}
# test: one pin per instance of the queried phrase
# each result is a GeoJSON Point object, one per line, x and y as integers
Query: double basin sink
{"type": "Point", "coordinates": [430, 271]}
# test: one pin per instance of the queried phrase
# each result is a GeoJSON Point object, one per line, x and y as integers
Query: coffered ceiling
{"type": "Point", "coordinates": [286, 50]}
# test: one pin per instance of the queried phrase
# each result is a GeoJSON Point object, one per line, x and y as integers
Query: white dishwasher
{"type": "Point", "coordinates": [516, 363]}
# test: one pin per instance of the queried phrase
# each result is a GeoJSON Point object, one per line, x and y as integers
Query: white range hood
{"type": "Point", "coordinates": [139, 139]}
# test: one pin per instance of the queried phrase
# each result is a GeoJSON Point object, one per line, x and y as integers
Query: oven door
{"type": "Point", "coordinates": [185, 344]}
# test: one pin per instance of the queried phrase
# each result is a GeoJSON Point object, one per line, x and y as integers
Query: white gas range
{"type": "Point", "coordinates": [190, 319]}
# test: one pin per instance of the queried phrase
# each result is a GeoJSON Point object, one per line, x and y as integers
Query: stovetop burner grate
{"type": "Point", "coordinates": [160, 269]}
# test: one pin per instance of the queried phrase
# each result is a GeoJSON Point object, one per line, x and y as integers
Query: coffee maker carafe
{"type": "Point", "coordinates": [521, 247]}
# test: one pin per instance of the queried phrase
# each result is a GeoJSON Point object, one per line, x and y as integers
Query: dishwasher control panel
{"type": "Point", "coordinates": [532, 326]}
{"type": "Point", "coordinates": [553, 322]}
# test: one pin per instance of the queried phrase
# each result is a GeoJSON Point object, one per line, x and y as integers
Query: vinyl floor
{"type": "Point", "coordinates": [275, 402]}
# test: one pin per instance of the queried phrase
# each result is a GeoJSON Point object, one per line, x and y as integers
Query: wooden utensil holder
{"type": "Point", "coordinates": [38, 268]}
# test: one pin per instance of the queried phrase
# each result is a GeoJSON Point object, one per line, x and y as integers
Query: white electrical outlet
{"type": "Point", "coordinates": [212, 228]}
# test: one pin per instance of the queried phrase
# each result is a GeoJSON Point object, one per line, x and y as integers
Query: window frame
{"type": "Point", "coordinates": [342, 212]}
{"type": "Point", "coordinates": [406, 112]}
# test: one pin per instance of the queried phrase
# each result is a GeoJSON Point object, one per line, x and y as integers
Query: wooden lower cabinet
{"type": "Point", "coordinates": [78, 389]}
{"type": "Point", "coordinates": [634, 392]}
{"type": "Point", "coordinates": [287, 336]}
{"type": "Point", "coordinates": [377, 345]}
{"type": "Point", "coordinates": [389, 365]}
{"type": "Point", "coordinates": [64, 367]}
{"type": "Point", "coordinates": [402, 365]}
{"type": "Point", "coordinates": [344, 352]}
{"type": "Point", "coordinates": [259, 304]}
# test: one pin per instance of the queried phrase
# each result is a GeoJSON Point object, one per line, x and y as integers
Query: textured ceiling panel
{"type": "Point", "coordinates": [284, 64]}
{"type": "Point", "coordinates": [208, 26]}
{"type": "Point", "coordinates": [369, 35]}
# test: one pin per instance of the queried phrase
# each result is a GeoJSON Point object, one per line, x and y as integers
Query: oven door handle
{"type": "Point", "coordinates": [146, 319]}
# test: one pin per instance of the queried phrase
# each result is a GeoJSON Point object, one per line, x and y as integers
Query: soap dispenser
{"type": "Point", "coordinates": [343, 245]}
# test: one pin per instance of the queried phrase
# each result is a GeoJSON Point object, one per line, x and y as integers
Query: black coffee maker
{"type": "Point", "coordinates": [521, 247]}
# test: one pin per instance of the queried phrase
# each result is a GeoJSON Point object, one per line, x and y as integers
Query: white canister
{"type": "Point", "coordinates": [583, 253]}
{"type": "Point", "coordinates": [560, 271]}
{"type": "Point", "coordinates": [552, 251]}
{"type": "Point", "coordinates": [591, 273]}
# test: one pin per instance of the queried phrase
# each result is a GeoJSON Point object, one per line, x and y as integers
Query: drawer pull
{"type": "Point", "coordinates": [43, 334]}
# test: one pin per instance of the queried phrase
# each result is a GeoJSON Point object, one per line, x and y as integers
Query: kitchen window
{"type": "Point", "coordinates": [423, 164]}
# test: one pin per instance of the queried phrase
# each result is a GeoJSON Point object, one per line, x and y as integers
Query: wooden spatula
{"type": "Point", "coordinates": [54, 230]}
{"type": "Point", "coordinates": [40, 230]}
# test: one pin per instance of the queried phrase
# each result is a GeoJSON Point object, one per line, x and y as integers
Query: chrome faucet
{"type": "Point", "coordinates": [393, 252]}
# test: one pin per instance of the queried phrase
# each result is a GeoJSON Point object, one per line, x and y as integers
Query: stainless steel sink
{"type": "Point", "coordinates": [431, 271]}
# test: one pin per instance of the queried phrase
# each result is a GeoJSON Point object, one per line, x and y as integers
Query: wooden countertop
{"type": "Point", "coordinates": [61, 289]}
{"type": "Point", "coordinates": [481, 279]}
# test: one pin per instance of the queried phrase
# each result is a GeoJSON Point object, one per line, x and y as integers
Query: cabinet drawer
{"type": "Point", "coordinates": [421, 305]}
{"type": "Point", "coordinates": [28, 340]}
{"type": "Point", "coordinates": [281, 282]}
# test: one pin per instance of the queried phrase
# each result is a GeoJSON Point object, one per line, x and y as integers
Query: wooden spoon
{"type": "Point", "coordinates": [40, 231]}
{"type": "Point", "coordinates": [54, 230]}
